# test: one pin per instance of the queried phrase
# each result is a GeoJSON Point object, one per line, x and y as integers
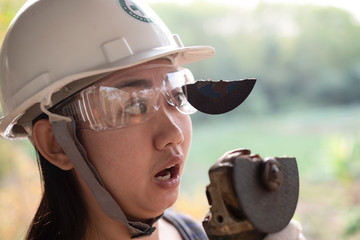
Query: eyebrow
{"type": "Point", "coordinates": [134, 83]}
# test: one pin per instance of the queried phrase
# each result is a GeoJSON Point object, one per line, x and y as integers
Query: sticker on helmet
{"type": "Point", "coordinates": [134, 10]}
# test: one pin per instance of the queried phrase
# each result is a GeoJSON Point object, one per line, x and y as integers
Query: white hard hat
{"type": "Point", "coordinates": [51, 44]}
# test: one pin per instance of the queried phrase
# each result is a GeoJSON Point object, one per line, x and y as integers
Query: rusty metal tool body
{"type": "Point", "coordinates": [250, 197]}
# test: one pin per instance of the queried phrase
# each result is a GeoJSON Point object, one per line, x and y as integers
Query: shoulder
{"type": "Point", "coordinates": [186, 225]}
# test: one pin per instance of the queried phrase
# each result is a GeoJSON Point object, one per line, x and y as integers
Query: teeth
{"type": "Point", "coordinates": [165, 177]}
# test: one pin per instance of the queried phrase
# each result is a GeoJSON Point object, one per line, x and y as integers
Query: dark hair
{"type": "Point", "coordinates": [62, 213]}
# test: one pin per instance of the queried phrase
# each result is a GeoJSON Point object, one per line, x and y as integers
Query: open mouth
{"type": "Point", "coordinates": [167, 174]}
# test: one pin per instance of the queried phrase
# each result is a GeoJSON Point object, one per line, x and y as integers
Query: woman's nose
{"type": "Point", "coordinates": [167, 126]}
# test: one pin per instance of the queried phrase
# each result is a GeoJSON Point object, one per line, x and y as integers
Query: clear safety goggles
{"type": "Point", "coordinates": [130, 97]}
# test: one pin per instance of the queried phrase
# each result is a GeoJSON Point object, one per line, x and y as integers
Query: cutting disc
{"type": "Point", "coordinates": [268, 211]}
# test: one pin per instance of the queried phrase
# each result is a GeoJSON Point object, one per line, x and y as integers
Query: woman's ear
{"type": "Point", "coordinates": [45, 142]}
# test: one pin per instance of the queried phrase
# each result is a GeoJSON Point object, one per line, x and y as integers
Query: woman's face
{"type": "Point", "coordinates": [141, 165]}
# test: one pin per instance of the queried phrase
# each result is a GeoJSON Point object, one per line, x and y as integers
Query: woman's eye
{"type": "Point", "coordinates": [180, 98]}
{"type": "Point", "coordinates": [138, 106]}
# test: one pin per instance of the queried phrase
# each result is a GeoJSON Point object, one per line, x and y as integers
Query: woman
{"type": "Point", "coordinates": [138, 147]}
{"type": "Point", "coordinates": [97, 86]}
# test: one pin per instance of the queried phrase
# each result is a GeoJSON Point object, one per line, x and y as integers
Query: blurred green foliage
{"type": "Point", "coordinates": [345, 155]}
{"type": "Point", "coordinates": [8, 9]}
{"type": "Point", "coordinates": [352, 222]}
{"type": "Point", "coordinates": [303, 55]}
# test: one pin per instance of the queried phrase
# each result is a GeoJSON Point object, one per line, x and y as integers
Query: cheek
{"type": "Point", "coordinates": [103, 150]}
{"type": "Point", "coordinates": [187, 131]}
{"type": "Point", "coordinates": [112, 152]}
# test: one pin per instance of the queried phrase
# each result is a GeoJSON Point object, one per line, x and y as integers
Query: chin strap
{"type": "Point", "coordinates": [65, 134]}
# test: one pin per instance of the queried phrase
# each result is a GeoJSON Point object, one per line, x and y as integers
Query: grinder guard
{"type": "Point", "coordinates": [218, 97]}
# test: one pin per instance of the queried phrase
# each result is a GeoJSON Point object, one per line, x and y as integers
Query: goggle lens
{"type": "Point", "coordinates": [111, 104]}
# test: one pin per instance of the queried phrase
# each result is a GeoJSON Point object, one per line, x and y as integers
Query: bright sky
{"type": "Point", "coordinates": [352, 6]}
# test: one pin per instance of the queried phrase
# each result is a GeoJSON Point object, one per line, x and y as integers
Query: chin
{"type": "Point", "coordinates": [164, 203]}
{"type": "Point", "coordinates": [151, 212]}
{"type": "Point", "coordinates": [170, 199]}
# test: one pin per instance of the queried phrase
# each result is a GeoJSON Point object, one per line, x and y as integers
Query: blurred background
{"type": "Point", "coordinates": [306, 104]}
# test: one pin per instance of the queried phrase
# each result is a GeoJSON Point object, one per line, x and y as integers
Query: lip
{"type": "Point", "coordinates": [173, 165]}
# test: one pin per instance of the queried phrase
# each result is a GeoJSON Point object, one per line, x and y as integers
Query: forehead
{"type": "Point", "coordinates": [145, 72]}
